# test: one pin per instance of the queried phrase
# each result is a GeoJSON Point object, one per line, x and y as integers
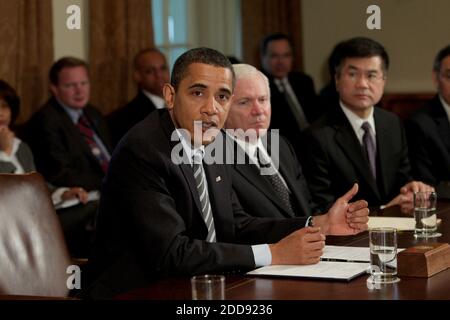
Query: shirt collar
{"type": "Point", "coordinates": [356, 121]}
{"type": "Point", "coordinates": [250, 148]}
{"type": "Point", "coordinates": [157, 100]}
{"type": "Point", "coordinates": [74, 114]}
{"type": "Point", "coordinates": [446, 107]}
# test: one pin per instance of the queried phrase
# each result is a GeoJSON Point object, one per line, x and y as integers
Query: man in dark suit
{"type": "Point", "coordinates": [167, 209]}
{"type": "Point", "coordinates": [428, 131]}
{"type": "Point", "coordinates": [150, 74]}
{"type": "Point", "coordinates": [357, 142]}
{"type": "Point", "coordinates": [68, 136]}
{"type": "Point", "coordinates": [292, 94]}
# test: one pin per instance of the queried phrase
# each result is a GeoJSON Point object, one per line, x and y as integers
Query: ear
{"type": "Point", "coordinates": [136, 77]}
{"type": "Point", "coordinates": [53, 90]}
{"type": "Point", "coordinates": [169, 95]}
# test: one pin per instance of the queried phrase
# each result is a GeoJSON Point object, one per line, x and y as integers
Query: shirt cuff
{"type": "Point", "coordinates": [56, 195]}
{"type": "Point", "coordinates": [262, 255]}
{"type": "Point", "coordinates": [307, 221]}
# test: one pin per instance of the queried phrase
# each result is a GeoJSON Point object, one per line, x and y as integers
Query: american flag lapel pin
{"type": "Point", "coordinates": [218, 178]}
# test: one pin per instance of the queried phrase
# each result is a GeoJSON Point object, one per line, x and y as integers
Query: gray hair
{"type": "Point", "coordinates": [243, 70]}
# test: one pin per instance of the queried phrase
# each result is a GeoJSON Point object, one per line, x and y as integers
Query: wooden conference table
{"type": "Point", "coordinates": [241, 287]}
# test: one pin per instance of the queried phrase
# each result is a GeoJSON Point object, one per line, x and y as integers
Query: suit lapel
{"type": "Point", "coordinates": [346, 139]}
{"type": "Point", "coordinates": [384, 150]}
{"type": "Point", "coordinates": [442, 122]}
{"type": "Point", "coordinates": [252, 174]}
{"type": "Point", "coordinates": [185, 167]}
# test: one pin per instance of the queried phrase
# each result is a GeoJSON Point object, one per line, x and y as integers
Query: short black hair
{"type": "Point", "coordinates": [359, 47]}
{"type": "Point", "coordinates": [142, 52]}
{"type": "Point", "coordinates": [442, 54]}
{"type": "Point", "coordinates": [65, 62]}
{"type": "Point", "coordinates": [199, 55]}
{"type": "Point", "coordinates": [273, 37]}
{"type": "Point", "coordinates": [11, 98]}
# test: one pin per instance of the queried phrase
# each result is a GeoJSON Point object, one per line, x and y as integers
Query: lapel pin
{"type": "Point", "coordinates": [218, 179]}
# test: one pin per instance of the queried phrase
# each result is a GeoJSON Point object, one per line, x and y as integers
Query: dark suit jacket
{"type": "Point", "coordinates": [428, 134]}
{"type": "Point", "coordinates": [150, 222]}
{"type": "Point", "coordinates": [60, 152]}
{"type": "Point", "coordinates": [123, 119]}
{"type": "Point", "coordinates": [282, 117]}
{"type": "Point", "coordinates": [254, 190]}
{"type": "Point", "coordinates": [335, 159]}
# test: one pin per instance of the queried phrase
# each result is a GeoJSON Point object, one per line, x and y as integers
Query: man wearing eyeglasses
{"type": "Point", "coordinates": [428, 131]}
{"type": "Point", "coordinates": [356, 141]}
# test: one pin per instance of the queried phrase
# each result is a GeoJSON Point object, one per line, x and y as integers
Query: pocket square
{"type": "Point", "coordinates": [218, 179]}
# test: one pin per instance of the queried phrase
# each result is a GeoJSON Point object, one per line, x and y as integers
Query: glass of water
{"type": "Point", "coordinates": [425, 215]}
{"type": "Point", "coordinates": [383, 255]}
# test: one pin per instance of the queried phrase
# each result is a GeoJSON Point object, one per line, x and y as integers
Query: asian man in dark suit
{"type": "Point", "coordinates": [428, 130]}
{"type": "Point", "coordinates": [68, 136]}
{"type": "Point", "coordinates": [167, 210]}
{"type": "Point", "coordinates": [292, 94]}
{"type": "Point", "coordinates": [357, 142]}
{"type": "Point", "coordinates": [150, 73]}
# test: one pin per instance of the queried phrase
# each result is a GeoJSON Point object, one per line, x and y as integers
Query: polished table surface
{"type": "Point", "coordinates": [241, 287]}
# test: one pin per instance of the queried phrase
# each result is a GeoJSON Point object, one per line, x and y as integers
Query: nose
{"type": "Point", "coordinates": [362, 81]}
{"type": "Point", "coordinates": [210, 106]}
{"type": "Point", "coordinates": [257, 108]}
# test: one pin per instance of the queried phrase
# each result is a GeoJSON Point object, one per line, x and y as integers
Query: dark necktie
{"type": "Point", "coordinates": [279, 187]}
{"type": "Point", "coordinates": [87, 132]}
{"type": "Point", "coordinates": [370, 148]}
{"type": "Point", "coordinates": [200, 181]}
{"type": "Point", "coordinates": [295, 107]}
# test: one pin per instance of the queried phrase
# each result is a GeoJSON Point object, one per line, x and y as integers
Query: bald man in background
{"type": "Point", "coordinates": [150, 73]}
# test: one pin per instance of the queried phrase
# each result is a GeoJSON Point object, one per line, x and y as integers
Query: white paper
{"type": "Point", "coordinates": [351, 254]}
{"type": "Point", "coordinates": [92, 195]}
{"type": "Point", "coordinates": [321, 270]}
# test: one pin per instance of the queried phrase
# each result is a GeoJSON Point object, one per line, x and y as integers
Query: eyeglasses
{"type": "Point", "coordinates": [370, 77]}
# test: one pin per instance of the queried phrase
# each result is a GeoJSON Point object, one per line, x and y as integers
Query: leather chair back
{"type": "Point", "coordinates": [33, 252]}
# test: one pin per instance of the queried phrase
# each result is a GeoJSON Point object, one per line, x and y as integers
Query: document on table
{"type": "Point", "coordinates": [323, 270]}
{"type": "Point", "coordinates": [346, 254]}
{"type": "Point", "coordinates": [92, 195]}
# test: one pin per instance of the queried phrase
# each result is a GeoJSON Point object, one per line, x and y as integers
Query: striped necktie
{"type": "Point", "coordinates": [202, 189]}
{"type": "Point", "coordinates": [87, 132]}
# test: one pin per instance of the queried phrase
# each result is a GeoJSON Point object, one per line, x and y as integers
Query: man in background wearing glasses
{"type": "Point", "coordinates": [429, 130]}
{"type": "Point", "coordinates": [356, 141]}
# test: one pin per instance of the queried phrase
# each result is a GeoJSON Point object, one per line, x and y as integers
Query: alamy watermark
{"type": "Point", "coordinates": [222, 149]}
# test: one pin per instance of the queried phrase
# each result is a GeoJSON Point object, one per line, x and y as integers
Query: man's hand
{"type": "Point", "coordinates": [406, 196]}
{"type": "Point", "coordinates": [345, 218]}
{"type": "Point", "coordinates": [79, 193]}
{"type": "Point", "coordinates": [303, 246]}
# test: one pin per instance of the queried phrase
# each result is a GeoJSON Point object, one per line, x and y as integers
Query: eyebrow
{"type": "Point", "coordinates": [197, 85]}
{"type": "Point", "coordinates": [358, 69]}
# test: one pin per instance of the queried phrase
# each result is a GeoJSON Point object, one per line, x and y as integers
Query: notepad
{"type": "Point", "coordinates": [92, 195]}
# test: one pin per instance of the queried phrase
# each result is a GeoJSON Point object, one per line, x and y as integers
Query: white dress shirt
{"type": "Point", "coordinates": [446, 107]}
{"type": "Point", "coordinates": [157, 100]}
{"type": "Point", "coordinates": [357, 122]}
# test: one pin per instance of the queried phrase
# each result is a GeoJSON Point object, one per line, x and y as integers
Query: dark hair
{"type": "Point", "coordinates": [8, 94]}
{"type": "Point", "coordinates": [442, 54]}
{"type": "Point", "coordinates": [145, 51]}
{"type": "Point", "coordinates": [199, 55]}
{"type": "Point", "coordinates": [359, 47]}
{"type": "Point", "coordinates": [273, 37]}
{"type": "Point", "coordinates": [65, 62]}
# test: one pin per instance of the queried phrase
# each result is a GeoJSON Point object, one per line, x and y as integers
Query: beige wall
{"type": "Point", "coordinates": [70, 42]}
{"type": "Point", "coordinates": [411, 30]}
